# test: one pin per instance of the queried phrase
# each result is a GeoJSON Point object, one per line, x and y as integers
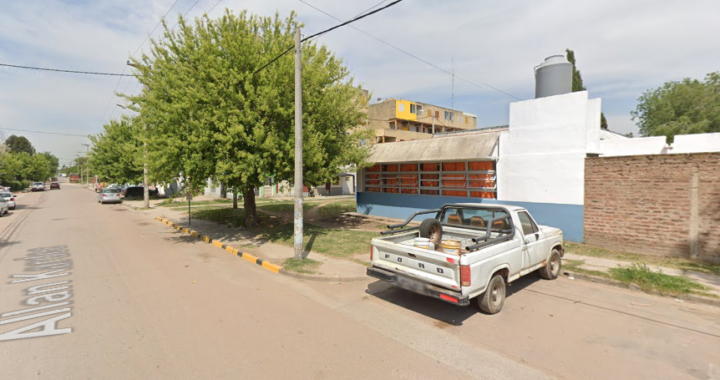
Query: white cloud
{"type": "Point", "coordinates": [622, 48]}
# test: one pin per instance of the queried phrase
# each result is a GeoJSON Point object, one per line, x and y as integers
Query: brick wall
{"type": "Point", "coordinates": [644, 204]}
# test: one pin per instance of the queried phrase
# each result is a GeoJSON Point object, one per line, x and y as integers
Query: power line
{"type": "Point", "coordinates": [156, 26]}
{"type": "Point", "coordinates": [327, 31]}
{"type": "Point", "coordinates": [213, 7]}
{"type": "Point", "coordinates": [373, 7]}
{"type": "Point", "coordinates": [43, 132]}
{"type": "Point", "coordinates": [65, 71]}
{"type": "Point", "coordinates": [412, 55]}
{"type": "Point", "coordinates": [112, 96]}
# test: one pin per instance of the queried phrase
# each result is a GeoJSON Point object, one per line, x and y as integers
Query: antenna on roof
{"type": "Point", "coordinates": [452, 99]}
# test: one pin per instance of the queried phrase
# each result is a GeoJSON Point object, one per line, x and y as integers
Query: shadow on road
{"type": "Point", "coordinates": [429, 307]}
{"type": "Point", "coordinates": [434, 308]}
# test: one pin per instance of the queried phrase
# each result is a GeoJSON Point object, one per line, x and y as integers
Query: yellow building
{"type": "Point", "coordinates": [400, 120]}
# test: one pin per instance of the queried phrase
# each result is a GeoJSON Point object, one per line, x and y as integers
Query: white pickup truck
{"type": "Point", "coordinates": [498, 245]}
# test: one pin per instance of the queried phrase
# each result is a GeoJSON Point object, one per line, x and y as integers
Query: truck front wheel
{"type": "Point", "coordinates": [551, 271]}
{"type": "Point", "coordinates": [492, 301]}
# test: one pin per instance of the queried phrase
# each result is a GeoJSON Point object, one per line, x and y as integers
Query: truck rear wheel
{"type": "Point", "coordinates": [551, 271]}
{"type": "Point", "coordinates": [431, 229]}
{"type": "Point", "coordinates": [492, 301]}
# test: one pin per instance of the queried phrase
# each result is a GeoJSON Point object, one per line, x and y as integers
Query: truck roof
{"type": "Point", "coordinates": [487, 205]}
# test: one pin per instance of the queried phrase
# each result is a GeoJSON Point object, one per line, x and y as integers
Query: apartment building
{"type": "Point", "coordinates": [401, 120]}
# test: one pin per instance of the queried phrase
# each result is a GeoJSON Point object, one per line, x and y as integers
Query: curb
{"type": "Point", "coordinates": [265, 264]}
{"type": "Point", "coordinates": [309, 277]}
{"type": "Point", "coordinates": [618, 284]}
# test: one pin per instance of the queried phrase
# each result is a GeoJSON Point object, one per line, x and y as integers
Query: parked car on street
{"type": "Point", "coordinates": [109, 195]}
{"type": "Point", "coordinates": [468, 252]}
{"type": "Point", "coordinates": [9, 198]}
{"type": "Point", "coordinates": [4, 209]}
{"type": "Point", "coordinates": [38, 186]}
{"type": "Point", "coordinates": [54, 185]}
{"type": "Point", "coordinates": [137, 191]}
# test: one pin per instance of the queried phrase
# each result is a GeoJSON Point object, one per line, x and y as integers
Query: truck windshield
{"type": "Point", "coordinates": [473, 217]}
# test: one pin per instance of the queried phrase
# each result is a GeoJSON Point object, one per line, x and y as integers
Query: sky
{"type": "Point", "coordinates": [623, 48]}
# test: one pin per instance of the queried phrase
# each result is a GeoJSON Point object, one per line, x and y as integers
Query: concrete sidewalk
{"type": "Point", "coordinates": [709, 281]}
{"type": "Point", "coordinates": [330, 270]}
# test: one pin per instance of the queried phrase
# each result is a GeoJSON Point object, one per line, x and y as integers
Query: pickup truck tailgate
{"type": "Point", "coordinates": [433, 267]}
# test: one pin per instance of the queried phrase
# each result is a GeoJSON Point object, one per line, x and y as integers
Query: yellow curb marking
{"type": "Point", "coordinates": [249, 257]}
{"type": "Point", "coordinates": [271, 267]}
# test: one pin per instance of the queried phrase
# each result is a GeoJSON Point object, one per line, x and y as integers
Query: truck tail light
{"type": "Point", "coordinates": [371, 252]}
{"type": "Point", "coordinates": [465, 275]}
{"type": "Point", "coordinates": [12, 199]}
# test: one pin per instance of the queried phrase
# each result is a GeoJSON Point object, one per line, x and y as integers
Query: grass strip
{"type": "Point", "coordinates": [655, 281]}
{"type": "Point", "coordinates": [307, 266]}
{"type": "Point", "coordinates": [326, 241]}
{"type": "Point", "coordinates": [671, 262]}
{"type": "Point", "coordinates": [335, 209]}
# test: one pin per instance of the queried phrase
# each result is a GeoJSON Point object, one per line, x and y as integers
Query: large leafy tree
{"type": "Point", "coordinates": [52, 162]}
{"type": "Point", "coordinates": [116, 154]}
{"type": "Point", "coordinates": [680, 107]}
{"type": "Point", "coordinates": [210, 116]}
{"type": "Point", "coordinates": [577, 83]}
{"type": "Point", "coordinates": [18, 144]}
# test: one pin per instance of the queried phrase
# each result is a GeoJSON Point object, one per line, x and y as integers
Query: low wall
{"type": "Point", "coordinates": [655, 204]}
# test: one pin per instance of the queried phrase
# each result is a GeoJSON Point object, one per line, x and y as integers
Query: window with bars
{"type": "Point", "coordinates": [472, 179]}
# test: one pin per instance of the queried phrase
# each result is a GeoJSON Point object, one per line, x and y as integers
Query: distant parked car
{"type": "Point", "coordinates": [137, 191]}
{"type": "Point", "coordinates": [109, 195]}
{"type": "Point", "coordinates": [38, 186]}
{"type": "Point", "coordinates": [54, 185]}
{"type": "Point", "coordinates": [8, 198]}
{"type": "Point", "coordinates": [4, 209]}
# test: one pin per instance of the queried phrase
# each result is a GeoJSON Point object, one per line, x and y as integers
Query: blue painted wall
{"type": "Point", "coordinates": [569, 218]}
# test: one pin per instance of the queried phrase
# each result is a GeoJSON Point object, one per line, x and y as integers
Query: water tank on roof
{"type": "Point", "coordinates": [553, 77]}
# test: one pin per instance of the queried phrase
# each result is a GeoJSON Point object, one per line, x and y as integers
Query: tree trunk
{"type": "Point", "coordinates": [250, 211]}
{"type": "Point", "coordinates": [223, 191]}
{"type": "Point", "coordinates": [235, 198]}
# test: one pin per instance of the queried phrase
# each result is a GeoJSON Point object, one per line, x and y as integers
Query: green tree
{"type": "Point", "coordinates": [210, 117]}
{"type": "Point", "coordinates": [53, 162]}
{"type": "Point", "coordinates": [577, 84]}
{"type": "Point", "coordinates": [116, 154]}
{"type": "Point", "coordinates": [18, 144]}
{"type": "Point", "coordinates": [680, 107]}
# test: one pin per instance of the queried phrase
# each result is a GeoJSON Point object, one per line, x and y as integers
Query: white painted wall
{"type": "Point", "coordinates": [633, 147]}
{"type": "Point", "coordinates": [542, 155]}
{"type": "Point", "coordinates": [593, 125]}
{"type": "Point", "coordinates": [698, 143]}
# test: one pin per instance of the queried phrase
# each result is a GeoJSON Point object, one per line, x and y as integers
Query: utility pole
{"type": "Point", "coordinates": [87, 164]}
{"type": "Point", "coordinates": [298, 149]}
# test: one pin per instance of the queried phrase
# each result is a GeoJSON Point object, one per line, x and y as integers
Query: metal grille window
{"type": "Point", "coordinates": [473, 179]}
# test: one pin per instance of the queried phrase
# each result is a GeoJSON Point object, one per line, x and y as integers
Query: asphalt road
{"type": "Point", "coordinates": [101, 292]}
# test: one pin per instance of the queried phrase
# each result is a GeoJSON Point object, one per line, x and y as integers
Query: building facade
{"type": "Point", "coordinates": [401, 120]}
